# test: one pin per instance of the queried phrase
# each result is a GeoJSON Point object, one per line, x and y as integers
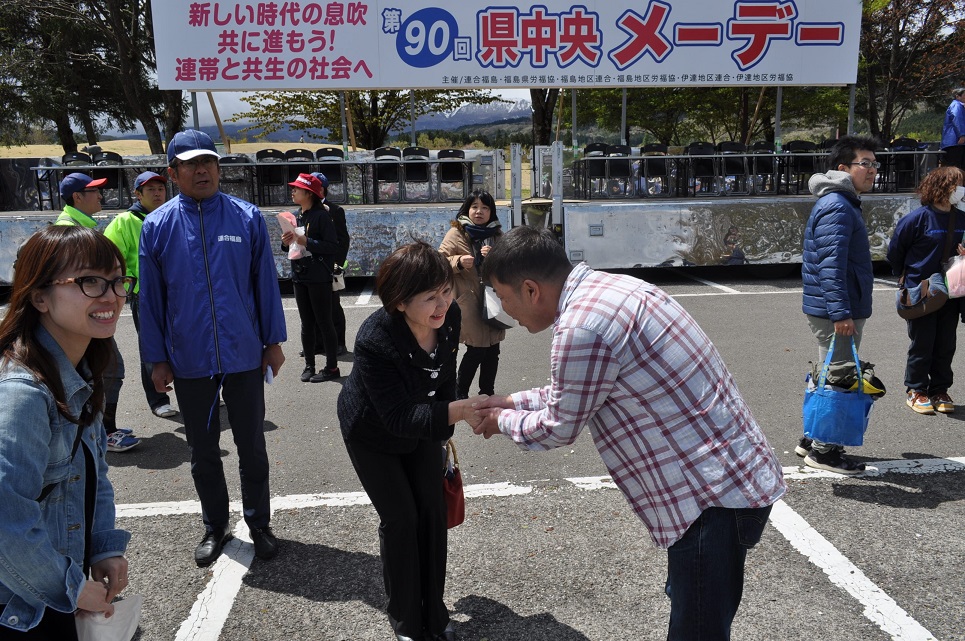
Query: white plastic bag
{"type": "Point", "coordinates": [288, 223]}
{"type": "Point", "coordinates": [955, 276]}
{"type": "Point", "coordinates": [94, 626]}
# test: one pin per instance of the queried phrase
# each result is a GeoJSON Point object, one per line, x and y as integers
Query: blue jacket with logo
{"type": "Point", "coordinates": [836, 269]}
{"type": "Point", "coordinates": [42, 542]}
{"type": "Point", "coordinates": [209, 294]}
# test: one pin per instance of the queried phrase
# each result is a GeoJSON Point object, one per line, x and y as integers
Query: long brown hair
{"type": "Point", "coordinates": [47, 254]}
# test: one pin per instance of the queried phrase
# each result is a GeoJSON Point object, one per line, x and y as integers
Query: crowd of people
{"type": "Point", "coordinates": [627, 363]}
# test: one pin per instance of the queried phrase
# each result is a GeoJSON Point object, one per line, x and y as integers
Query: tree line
{"type": "Point", "coordinates": [67, 65]}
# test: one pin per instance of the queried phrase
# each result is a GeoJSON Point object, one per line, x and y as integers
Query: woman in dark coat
{"type": "Point", "coordinates": [396, 410]}
{"type": "Point", "coordinates": [312, 276]}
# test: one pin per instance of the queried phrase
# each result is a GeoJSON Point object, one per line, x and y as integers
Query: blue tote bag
{"type": "Point", "coordinates": [836, 417]}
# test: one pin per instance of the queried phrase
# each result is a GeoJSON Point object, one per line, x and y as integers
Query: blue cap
{"type": "Point", "coordinates": [73, 183]}
{"type": "Point", "coordinates": [321, 177]}
{"type": "Point", "coordinates": [189, 144]}
{"type": "Point", "coordinates": [146, 177]}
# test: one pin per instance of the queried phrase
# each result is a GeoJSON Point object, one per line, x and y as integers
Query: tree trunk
{"type": "Point", "coordinates": [89, 130]}
{"type": "Point", "coordinates": [173, 113]}
{"type": "Point", "coordinates": [64, 132]}
{"type": "Point", "coordinates": [544, 102]}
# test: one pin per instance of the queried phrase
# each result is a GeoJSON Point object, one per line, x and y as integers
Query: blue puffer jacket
{"type": "Point", "coordinates": [837, 273]}
{"type": "Point", "coordinates": [209, 288]}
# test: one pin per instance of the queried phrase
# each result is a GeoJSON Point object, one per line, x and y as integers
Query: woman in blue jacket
{"type": "Point", "coordinates": [916, 250]}
{"type": "Point", "coordinates": [59, 549]}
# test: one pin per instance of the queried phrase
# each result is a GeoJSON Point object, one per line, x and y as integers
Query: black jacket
{"type": "Point", "coordinates": [341, 231]}
{"type": "Point", "coordinates": [321, 242]}
{"type": "Point", "coordinates": [396, 394]}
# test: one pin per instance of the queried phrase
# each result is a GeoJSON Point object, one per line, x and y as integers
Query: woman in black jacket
{"type": "Point", "coordinates": [312, 276]}
{"type": "Point", "coordinates": [396, 410]}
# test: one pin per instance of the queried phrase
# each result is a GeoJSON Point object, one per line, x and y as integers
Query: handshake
{"type": "Point", "coordinates": [482, 412]}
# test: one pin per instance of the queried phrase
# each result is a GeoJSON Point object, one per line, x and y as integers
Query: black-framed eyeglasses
{"type": "Point", "coordinates": [96, 286]}
{"type": "Point", "coordinates": [867, 164]}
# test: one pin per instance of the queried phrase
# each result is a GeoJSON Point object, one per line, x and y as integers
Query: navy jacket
{"type": "Point", "coordinates": [919, 240]}
{"type": "Point", "coordinates": [837, 273]}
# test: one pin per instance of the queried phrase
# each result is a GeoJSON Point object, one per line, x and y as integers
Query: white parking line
{"type": "Point", "coordinates": [879, 608]}
{"type": "Point", "coordinates": [210, 611]}
{"type": "Point", "coordinates": [709, 283]}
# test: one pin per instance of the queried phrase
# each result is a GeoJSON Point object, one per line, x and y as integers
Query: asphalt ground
{"type": "Point", "coordinates": [550, 551]}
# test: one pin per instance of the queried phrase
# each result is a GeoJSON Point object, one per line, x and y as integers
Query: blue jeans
{"type": "Point", "coordinates": [705, 572]}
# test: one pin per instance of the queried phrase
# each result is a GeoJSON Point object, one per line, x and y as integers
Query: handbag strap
{"type": "Point", "coordinates": [451, 454]}
{"type": "Point", "coordinates": [823, 377]}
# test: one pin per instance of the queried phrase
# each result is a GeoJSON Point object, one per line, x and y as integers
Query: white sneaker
{"type": "Point", "coordinates": [165, 411]}
{"type": "Point", "coordinates": [121, 442]}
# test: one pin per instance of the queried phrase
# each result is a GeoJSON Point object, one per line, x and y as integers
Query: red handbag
{"type": "Point", "coordinates": [452, 487]}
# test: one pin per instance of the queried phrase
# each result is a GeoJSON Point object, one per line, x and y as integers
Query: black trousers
{"type": "Point", "coordinates": [486, 360]}
{"type": "Point", "coordinates": [929, 366]}
{"type": "Point", "coordinates": [244, 397]}
{"type": "Point", "coordinates": [314, 302]}
{"type": "Point", "coordinates": [954, 156]}
{"type": "Point", "coordinates": [155, 398]}
{"type": "Point", "coordinates": [338, 318]}
{"type": "Point", "coordinates": [54, 626]}
{"type": "Point", "coordinates": [406, 491]}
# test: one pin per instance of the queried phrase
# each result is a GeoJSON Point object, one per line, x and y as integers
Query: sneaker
{"type": "Point", "coordinates": [307, 373]}
{"type": "Point", "coordinates": [803, 448]}
{"type": "Point", "coordinates": [920, 403]}
{"type": "Point", "coordinates": [833, 461]}
{"type": "Point", "coordinates": [125, 430]}
{"type": "Point", "coordinates": [165, 411]}
{"type": "Point", "coordinates": [326, 375]}
{"type": "Point", "coordinates": [120, 442]}
{"type": "Point", "coordinates": [341, 351]}
{"type": "Point", "coordinates": [943, 403]}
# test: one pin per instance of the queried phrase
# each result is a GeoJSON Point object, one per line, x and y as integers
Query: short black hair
{"type": "Point", "coordinates": [485, 198]}
{"type": "Point", "coordinates": [526, 253]}
{"type": "Point", "coordinates": [846, 150]}
{"type": "Point", "coordinates": [410, 270]}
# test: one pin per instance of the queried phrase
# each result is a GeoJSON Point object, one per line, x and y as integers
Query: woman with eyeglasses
{"type": "Point", "coordinates": [396, 410]}
{"type": "Point", "coordinates": [918, 251]}
{"type": "Point", "coordinates": [60, 552]}
{"type": "Point", "coordinates": [312, 276]}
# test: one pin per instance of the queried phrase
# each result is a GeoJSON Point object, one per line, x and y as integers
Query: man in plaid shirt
{"type": "Point", "coordinates": [664, 412]}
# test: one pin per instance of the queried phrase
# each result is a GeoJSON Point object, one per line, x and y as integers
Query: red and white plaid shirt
{"type": "Point", "coordinates": [664, 411]}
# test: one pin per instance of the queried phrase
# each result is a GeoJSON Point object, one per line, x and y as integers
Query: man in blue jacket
{"type": "Point", "coordinates": [953, 131]}
{"type": "Point", "coordinates": [211, 322]}
{"type": "Point", "coordinates": [836, 271]}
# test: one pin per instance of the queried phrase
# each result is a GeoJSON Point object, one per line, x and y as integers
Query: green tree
{"type": "Point", "coordinates": [912, 52]}
{"type": "Point", "coordinates": [374, 114]}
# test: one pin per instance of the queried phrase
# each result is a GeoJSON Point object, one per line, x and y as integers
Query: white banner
{"type": "Point", "coordinates": [404, 44]}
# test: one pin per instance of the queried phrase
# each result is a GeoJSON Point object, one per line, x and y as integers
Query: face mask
{"type": "Point", "coordinates": [957, 196]}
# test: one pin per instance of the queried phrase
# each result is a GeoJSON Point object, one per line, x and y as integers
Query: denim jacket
{"type": "Point", "coordinates": [42, 542]}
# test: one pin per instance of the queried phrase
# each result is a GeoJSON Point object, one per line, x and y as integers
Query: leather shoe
{"type": "Point", "coordinates": [449, 634]}
{"type": "Point", "coordinates": [402, 637]}
{"type": "Point", "coordinates": [266, 545]}
{"type": "Point", "coordinates": [210, 547]}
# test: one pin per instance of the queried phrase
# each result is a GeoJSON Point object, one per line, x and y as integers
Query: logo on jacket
{"type": "Point", "coordinates": [225, 238]}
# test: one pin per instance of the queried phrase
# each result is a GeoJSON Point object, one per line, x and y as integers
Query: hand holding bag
{"type": "Point", "coordinates": [452, 487]}
{"type": "Point", "coordinates": [836, 417]}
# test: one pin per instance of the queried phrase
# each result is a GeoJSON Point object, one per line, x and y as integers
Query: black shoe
{"type": "Point", "coordinates": [449, 634]}
{"type": "Point", "coordinates": [307, 373]}
{"type": "Point", "coordinates": [402, 637]}
{"type": "Point", "coordinates": [803, 448]}
{"type": "Point", "coordinates": [301, 354]}
{"type": "Point", "coordinates": [210, 548]}
{"type": "Point", "coordinates": [342, 350]}
{"type": "Point", "coordinates": [266, 545]}
{"type": "Point", "coordinates": [833, 461]}
{"type": "Point", "coordinates": [326, 375]}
